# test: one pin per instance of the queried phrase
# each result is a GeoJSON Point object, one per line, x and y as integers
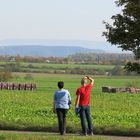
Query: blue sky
{"type": "Point", "coordinates": [55, 19]}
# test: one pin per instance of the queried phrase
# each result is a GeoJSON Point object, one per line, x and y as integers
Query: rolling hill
{"type": "Point", "coordinates": [41, 50]}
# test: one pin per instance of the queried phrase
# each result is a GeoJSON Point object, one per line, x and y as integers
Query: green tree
{"type": "Point", "coordinates": [117, 70]}
{"type": "Point", "coordinates": [5, 74]}
{"type": "Point", "coordinates": [125, 30]}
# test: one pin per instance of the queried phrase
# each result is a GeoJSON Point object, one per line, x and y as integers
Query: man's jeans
{"type": "Point", "coordinates": [61, 114]}
{"type": "Point", "coordinates": [85, 115]}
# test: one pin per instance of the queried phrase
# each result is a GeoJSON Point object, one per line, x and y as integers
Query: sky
{"type": "Point", "coordinates": [55, 19]}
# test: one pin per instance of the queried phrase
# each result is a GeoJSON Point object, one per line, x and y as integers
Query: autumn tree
{"type": "Point", "coordinates": [125, 31]}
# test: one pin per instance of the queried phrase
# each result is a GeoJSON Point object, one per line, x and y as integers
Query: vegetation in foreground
{"type": "Point", "coordinates": [116, 114]}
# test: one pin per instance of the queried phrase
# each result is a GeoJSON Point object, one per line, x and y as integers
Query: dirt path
{"type": "Point", "coordinates": [44, 133]}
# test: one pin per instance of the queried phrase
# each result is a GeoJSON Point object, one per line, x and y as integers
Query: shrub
{"type": "Point", "coordinates": [5, 76]}
{"type": "Point", "coordinates": [28, 77]}
{"type": "Point", "coordinates": [118, 70]}
{"type": "Point", "coordinates": [132, 84]}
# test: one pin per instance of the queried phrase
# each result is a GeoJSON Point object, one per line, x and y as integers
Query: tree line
{"type": "Point", "coordinates": [83, 58]}
{"type": "Point", "coordinates": [102, 58]}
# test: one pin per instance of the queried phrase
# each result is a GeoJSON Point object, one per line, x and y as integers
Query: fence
{"type": "Point", "coordinates": [17, 86]}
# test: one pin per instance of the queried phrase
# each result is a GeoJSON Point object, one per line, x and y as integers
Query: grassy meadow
{"type": "Point", "coordinates": [116, 114]}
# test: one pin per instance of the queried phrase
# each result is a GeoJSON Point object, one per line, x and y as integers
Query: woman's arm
{"type": "Point", "coordinates": [54, 109]}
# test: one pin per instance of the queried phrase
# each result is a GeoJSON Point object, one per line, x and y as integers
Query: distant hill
{"type": "Point", "coordinates": [95, 45]}
{"type": "Point", "coordinates": [41, 50]}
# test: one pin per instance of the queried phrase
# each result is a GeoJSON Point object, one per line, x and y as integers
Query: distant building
{"type": "Point", "coordinates": [47, 61]}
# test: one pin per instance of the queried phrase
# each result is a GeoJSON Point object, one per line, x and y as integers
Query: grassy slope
{"type": "Point", "coordinates": [117, 114]}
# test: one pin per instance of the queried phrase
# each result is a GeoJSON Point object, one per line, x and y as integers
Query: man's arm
{"type": "Point", "coordinates": [77, 101]}
{"type": "Point", "coordinates": [91, 80]}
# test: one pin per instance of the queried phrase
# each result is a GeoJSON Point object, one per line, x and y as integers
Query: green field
{"type": "Point", "coordinates": [57, 68]}
{"type": "Point", "coordinates": [62, 66]}
{"type": "Point", "coordinates": [116, 114]}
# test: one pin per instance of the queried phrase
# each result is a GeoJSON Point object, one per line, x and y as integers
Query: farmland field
{"type": "Point", "coordinates": [117, 114]}
{"type": "Point", "coordinates": [57, 68]}
{"type": "Point", "coordinates": [61, 66]}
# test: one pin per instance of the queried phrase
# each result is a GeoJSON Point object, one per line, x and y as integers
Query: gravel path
{"type": "Point", "coordinates": [44, 133]}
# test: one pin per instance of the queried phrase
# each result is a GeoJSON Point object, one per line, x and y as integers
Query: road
{"type": "Point", "coordinates": [45, 133]}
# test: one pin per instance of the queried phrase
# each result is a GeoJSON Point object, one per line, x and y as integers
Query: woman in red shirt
{"type": "Point", "coordinates": [83, 102]}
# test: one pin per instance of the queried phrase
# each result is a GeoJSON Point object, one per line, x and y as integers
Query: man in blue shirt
{"type": "Point", "coordinates": [62, 101]}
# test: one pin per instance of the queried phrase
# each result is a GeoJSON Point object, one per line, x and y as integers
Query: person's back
{"type": "Point", "coordinates": [62, 98]}
{"type": "Point", "coordinates": [84, 94]}
{"type": "Point", "coordinates": [83, 104]}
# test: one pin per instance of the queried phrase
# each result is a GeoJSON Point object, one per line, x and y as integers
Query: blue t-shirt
{"type": "Point", "coordinates": [62, 98]}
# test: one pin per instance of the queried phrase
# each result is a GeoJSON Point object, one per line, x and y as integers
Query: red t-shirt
{"type": "Point", "coordinates": [84, 93]}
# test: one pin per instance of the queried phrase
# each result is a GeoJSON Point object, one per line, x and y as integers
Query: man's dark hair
{"type": "Point", "coordinates": [60, 84]}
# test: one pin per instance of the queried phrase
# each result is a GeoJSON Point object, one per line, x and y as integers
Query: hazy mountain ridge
{"type": "Point", "coordinates": [42, 50]}
{"type": "Point", "coordinates": [95, 45]}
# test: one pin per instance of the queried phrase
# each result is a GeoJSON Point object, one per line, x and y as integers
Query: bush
{"type": "Point", "coordinates": [5, 76]}
{"type": "Point", "coordinates": [28, 77]}
{"type": "Point", "coordinates": [12, 67]}
{"type": "Point", "coordinates": [118, 70]}
{"type": "Point", "coordinates": [16, 77]}
{"type": "Point", "coordinates": [133, 84]}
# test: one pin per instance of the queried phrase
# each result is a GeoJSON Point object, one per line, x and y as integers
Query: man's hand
{"type": "Point", "coordinates": [86, 77]}
{"type": "Point", "coordinates": [77, 110]}
{"type": "Point", "coordinates": [89, 78]}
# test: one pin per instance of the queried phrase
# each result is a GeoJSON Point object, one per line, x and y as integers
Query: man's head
{"type": "Point", "coordinates": [60, 84]}
{"type": "Point", "coordinates": [83, 81]}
